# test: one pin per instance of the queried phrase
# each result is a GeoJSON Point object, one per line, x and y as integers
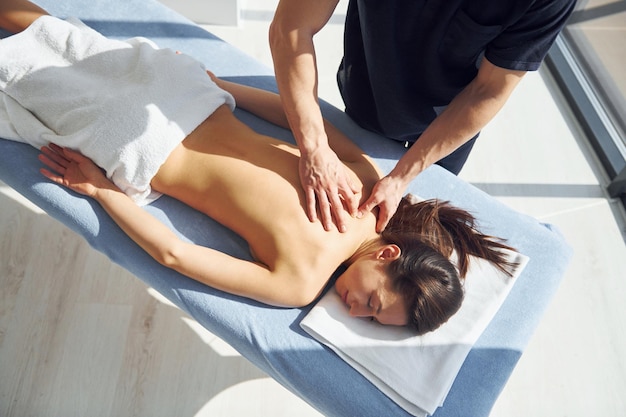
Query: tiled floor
{"type": "Point", "coordinates": [532, 157]}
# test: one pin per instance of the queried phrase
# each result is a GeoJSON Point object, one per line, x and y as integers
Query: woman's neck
{"type": "Point", "coordinates": [366, 246]}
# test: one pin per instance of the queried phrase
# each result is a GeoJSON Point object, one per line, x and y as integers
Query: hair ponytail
{"type": "Point", "coordinates": [428, 234]}
{"type": "Point", "coordinates": [448, 229]}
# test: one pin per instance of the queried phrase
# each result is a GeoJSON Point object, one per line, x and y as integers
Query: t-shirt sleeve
{"type": "Point", "coordinates": [524, 44]}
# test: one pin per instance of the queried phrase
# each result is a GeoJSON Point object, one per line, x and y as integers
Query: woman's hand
{"type": "Point", "coordinates": [73, 170]}
{"type": "Point", "coordinates": [212, 76]}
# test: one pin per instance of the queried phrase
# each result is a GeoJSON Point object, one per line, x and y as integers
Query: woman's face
{"type": "Point", "coordinates": [366, 289]}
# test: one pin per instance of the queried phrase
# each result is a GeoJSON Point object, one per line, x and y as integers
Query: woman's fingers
{"type": "Point", "coordinates": [54, 163]}
{"type": "Point", "coordinates": [57, 157]}
{"type": "Point", "coordinates": [51, 176]}
{"type": "Point", "coordinates": [55, 153]}
{"type": "Point", "coordinates": [56, 174]}
{"type": "Point", "coordinates": [71, 155]}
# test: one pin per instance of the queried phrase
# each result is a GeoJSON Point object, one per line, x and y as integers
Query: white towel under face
{"type": "Point", "coordinates": [415, 371]}
{"type": "Point", "coordinates": [124, 104]}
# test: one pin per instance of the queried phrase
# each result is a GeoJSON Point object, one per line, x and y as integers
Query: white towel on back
{"type": "Point", "coordinates": [124, 104]}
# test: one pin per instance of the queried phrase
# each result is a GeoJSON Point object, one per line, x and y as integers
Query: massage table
{"type": "Point", "coordinates": [269, 337]}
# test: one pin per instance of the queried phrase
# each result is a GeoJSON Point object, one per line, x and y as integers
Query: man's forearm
{"type": "Point", "coordinates": [467, 114]}
{"type": "Point", "coordinates": [296, 76]}
{"type": "Point", "coordinates": [293, 53]}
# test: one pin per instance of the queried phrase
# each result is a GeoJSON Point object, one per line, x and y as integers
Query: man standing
{"type": "Point", "coordinates": [430, 74]}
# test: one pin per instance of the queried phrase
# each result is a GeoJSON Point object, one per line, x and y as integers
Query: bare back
{"type": "Point", "coordinates": [249, 183]}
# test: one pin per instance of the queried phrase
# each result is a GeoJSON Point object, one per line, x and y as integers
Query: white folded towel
{"type": "Point", "coordinates": [124, 104]}
{"type": "Point", "coordinates": [415, 371]}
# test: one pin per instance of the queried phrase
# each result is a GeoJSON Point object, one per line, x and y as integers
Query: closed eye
{"type": "Point", "coordinates": [372, 306]}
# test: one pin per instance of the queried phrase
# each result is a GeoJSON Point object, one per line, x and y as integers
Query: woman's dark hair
{"type": "Point", "coordinates": [428, 234]}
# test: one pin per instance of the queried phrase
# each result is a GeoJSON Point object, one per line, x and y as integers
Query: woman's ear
{"type": "Point", "coordinates": [389, 252]}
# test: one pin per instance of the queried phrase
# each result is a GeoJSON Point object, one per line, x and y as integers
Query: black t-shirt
{"type": "Point", "coordinates": [405, 60]}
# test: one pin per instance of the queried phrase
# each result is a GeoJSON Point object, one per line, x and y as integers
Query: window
{"type": "Point", "coordinates": [589, 60]}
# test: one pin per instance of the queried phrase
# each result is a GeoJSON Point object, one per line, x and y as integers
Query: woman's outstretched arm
{"type": "Point", "coordinates": [267, 106]}
{"type": "Point", "coordinates": [262, 103]}
{"type": "Point", "coordinates": [17, 15]}
{"type": "Point", "coordinates": [211, 267]}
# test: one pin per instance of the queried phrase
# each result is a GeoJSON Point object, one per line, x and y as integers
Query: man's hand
{"type": "Point", "coordinates": [327, 185]}
{"type": "Point", "coordinates": [386, 195]}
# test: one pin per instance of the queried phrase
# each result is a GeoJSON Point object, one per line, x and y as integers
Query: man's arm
{"type": "Point", "coordinates": [324, 179]}
{"type": "Point", "coordinates": [464, 117]}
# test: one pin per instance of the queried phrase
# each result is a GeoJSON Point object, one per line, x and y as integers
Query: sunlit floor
{"type": "Point", "coordinates": [79, 336]}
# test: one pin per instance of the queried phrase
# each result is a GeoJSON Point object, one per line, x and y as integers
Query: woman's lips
{"type": "Point", "coordinates": [345, 298]}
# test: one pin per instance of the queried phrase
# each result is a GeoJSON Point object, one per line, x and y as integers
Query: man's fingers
{"type": "Point", "coordinates": [385, 213]}
{"type": "Point", "coordinates": [352, 204]}
{"type": "Point", "coordinates": [383, 219]}
{"type": "Point", "coordinates": [367, 207]}
{"type": "Point", "coordinates": [311, 204]}
{"type": "Point", "coordinates": [337, 212]}
{"type": "Point", "coordinates": [349, 194]}
{"type": "Point", "coordinates": [325, 214]}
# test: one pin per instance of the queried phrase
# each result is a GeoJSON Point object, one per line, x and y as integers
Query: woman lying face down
{"type": "Point", "coordinates": [418, 283]}
{"type": "Point", "coordinates": [249, 183]}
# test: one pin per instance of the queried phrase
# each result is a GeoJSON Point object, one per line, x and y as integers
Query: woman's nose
{"type": "Point", "coordinates": [357, 310]}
